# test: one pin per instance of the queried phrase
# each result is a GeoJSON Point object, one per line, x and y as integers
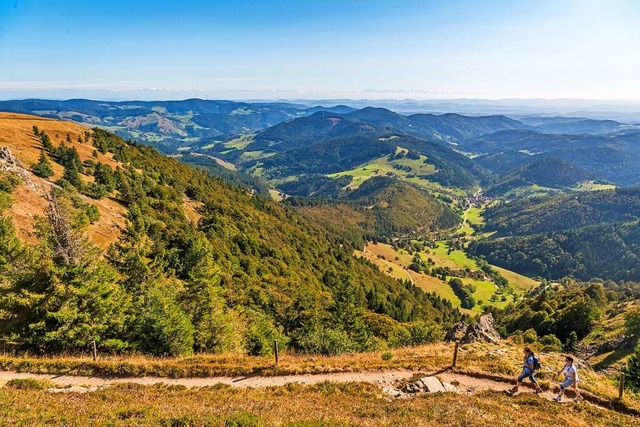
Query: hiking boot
{"type": "Point", "coordinates": [557, 398]}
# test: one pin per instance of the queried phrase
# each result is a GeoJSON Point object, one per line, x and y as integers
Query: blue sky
{"type": "Point", "coordinates": [320, 49]}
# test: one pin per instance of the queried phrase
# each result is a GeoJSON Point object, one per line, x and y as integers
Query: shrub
{"type": "Point", "coordinates": [260, 336]}
{"type": "Point", "coordinates": [530, 336]}
{"type": "Point", "coordinates": [28, 384]}
{"type": "Point", "coordinates": [550, 343]}
{"type": "Point", "coordinates": [325, 341]}
{"type": "Point", "coordinates": [632, 322]}
{"type": "Point", "coordinates": [387, 356]}
{"type": "Point", "coordinates": [517, 337]}
{"type": "Point", "coordinates": [241, 419]}
{"type": "Point", "coordinates": [424, 332]}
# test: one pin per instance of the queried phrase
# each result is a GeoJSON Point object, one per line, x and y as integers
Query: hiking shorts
{"type": "Point", "coordinates": [527, 374]}
{"type": "Point", "coordinates": [568, 382]}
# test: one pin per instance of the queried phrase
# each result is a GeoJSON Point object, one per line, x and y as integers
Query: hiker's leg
{"type": "Point", "coordinates": [519, 380]}
{"type": "Point", "coordinates": [535, 383]}
{"type": "Point", "coordinates": [564, 385]}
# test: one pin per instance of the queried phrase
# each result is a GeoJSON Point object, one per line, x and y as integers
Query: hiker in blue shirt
{"type": "Point", "coordinates": [530, 364]}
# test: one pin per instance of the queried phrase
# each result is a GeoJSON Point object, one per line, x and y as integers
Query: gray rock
{"type": "Point", "coordinates": [450, 387]}
{"type": "Point", "coordinates": [482, 330]}
{"type": "Point", "coordinates": [432, 384]}
{"type": "Point", "coordinates": [457, 332]}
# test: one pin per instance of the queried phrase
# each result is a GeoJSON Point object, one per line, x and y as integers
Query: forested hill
{"type": "Point", "coordinates": [380, 207]}
{"type": "Point", "coordinates": [198, 265]}
{"type": "Point", "coordinates": [589, 235]}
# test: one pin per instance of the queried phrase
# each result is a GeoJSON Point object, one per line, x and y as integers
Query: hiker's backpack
{"type": "Point", "coordinates": [536, 363]}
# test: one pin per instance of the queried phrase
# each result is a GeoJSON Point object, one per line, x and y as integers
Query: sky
{"type": "Point", "coordinates": [320, 49]}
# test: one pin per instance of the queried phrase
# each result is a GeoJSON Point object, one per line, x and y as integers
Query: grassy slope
{"type": "Point", "coordinates": [16, 134]}
{"type": "Point", "coordinates": [324, 404]}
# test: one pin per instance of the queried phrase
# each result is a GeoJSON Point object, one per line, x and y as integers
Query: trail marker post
{"type": "Point", "coordinates": [621, 390]}
{"type": "Point", "coordinates": [455, 355]}
{"type": "Point", "coordinates": [275, 351]}
{"type": "Point", "coordinates": [94, 350]}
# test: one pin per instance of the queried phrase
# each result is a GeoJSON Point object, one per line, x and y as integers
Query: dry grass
{"type": "Point", "coordinates": [501, 359]}
{"type": "Point", "coordinates": [16, 133]}
{"type": "Point", "coordinates": [324, 404]}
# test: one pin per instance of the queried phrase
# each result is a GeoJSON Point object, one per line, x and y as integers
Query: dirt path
{"type": "Point", "coordinates": [387, 380]}
{"type": "Point", "coordinates": [92, 383]}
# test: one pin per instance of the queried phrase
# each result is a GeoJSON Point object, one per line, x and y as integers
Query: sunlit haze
{"type": "Point", "coordinates": [320, 49]}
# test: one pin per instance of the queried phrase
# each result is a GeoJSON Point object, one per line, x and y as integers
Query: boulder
{"type": "Point", "coordinates": [450, 387]}
{"type": "Point", "coordinates": [482, 330]}
{"type": "Point", "coordinates": [457, 332]}
{"type": "Point", "coordinates": [432, 385]}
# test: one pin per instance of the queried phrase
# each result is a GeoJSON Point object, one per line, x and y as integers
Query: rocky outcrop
{"type": "Point", "coordinates": [9, 163]}
{"type": "Point", "coordinates": [482, 330]}
{"type": "Point", "coordinates": [457, 332]}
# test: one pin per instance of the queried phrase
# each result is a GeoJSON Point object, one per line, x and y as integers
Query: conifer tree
{"type": "Point", "coordinates": [66, 296]}
{"type": "Point", "coordinates": [633, 370]}
{"type": "Point", "coordinates": [43, 167]}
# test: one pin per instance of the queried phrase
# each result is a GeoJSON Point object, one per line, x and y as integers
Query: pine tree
{"type": "Point", "coordinates": [633, 370]}
{"type": "Point", "coordinates": [572, 342]}
{"type": "Point", "coordinates": [43, 167]}
{"type": "Point", "coordinates": [46, 142]}
{"type": "Point", "coordinates": [72, 175]}
{"type": "Point", "coordinates": [65, 296]}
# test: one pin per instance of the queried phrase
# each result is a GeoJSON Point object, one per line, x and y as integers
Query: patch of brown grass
{"type": "Point", "coordinates": [324, 404]}
{"type": "Point", "coordinates": [16, 133]}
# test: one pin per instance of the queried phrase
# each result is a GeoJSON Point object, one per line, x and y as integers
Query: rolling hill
{"type": "Point", "coordinates": [586, 235]}
{"type": "Point", "coordinates": [550, 173]}
{"type": "Point", "coordinates": [609, 157]}
{"type": "Point", "coordinates": [381, 207]}
{"type": "Point", "coordinates": [140, 252]}
{"type": "Point", "coordinates": [165, 124]}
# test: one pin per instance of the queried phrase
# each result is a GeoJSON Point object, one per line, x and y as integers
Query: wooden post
{"type": "Point", "coordinates": [275, 351]}
{"type": "Point", "coordinates": [621, 390]}
{"type": "Point", "coordinates": [455, 354]}
{"type": "Point", "coordinates": [95, 350]}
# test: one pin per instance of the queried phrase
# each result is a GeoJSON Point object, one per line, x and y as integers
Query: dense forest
{"type": "Point", "coordinates": [381, 207]}
{"type": "Point", "coordinates": [588, 235]}
{"type": "Point", "coordinates": [249, 271]}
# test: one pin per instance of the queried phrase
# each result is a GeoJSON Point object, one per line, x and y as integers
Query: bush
{"type": "Point", "coordinates": [632, 322]}
{"type": "Point", "coordinates": [424, 332]}
{"type": "Point", "coordinates": [387, 356]}
{"type": "Point", "coordinates": [530, 336]}
{"type": "Point", "coordinates": [162, 328]}
{"type": "Point", "coordinates": [551, 343]}
{"type": "Point", "coordinates": [260, 336]}
{"type": "Point", "coordinates": [241, 419]}
{"type": "Point", "coordinates": [325, 341]}
{"type": "Point", "coordinates": [517, 337]}
{"type": "Point", "coordinates": [28, 384]}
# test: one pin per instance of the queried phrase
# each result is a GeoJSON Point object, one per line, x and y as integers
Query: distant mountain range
{"type": "Point", "coordinates": [297, 146]}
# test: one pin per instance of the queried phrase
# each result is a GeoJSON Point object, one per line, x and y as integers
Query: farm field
{"type": "Point", "coordinates": [395, 263]}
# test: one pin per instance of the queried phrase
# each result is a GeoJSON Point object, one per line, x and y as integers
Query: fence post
{"type": "Point", "coordinates": [95, 350]}
{"type": "Point", "coordinates": [621, 390]}
{"type": "Point", "coordinates": [275, 351]}
{"type": "Point", "coordinates": [455, 355]}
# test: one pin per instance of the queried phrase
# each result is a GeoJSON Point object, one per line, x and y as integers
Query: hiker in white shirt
{"type": "Point", "coordinates": [570, 379]}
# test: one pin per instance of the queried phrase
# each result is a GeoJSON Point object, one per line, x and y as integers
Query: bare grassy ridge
{"type": "Point", "coordinates": [324, 404]}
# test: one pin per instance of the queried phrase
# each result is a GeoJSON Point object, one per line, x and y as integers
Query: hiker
{"type": "Point", "coordinates": [570, 379]}
{"type": "Point", "coordinates": [530, 364]}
